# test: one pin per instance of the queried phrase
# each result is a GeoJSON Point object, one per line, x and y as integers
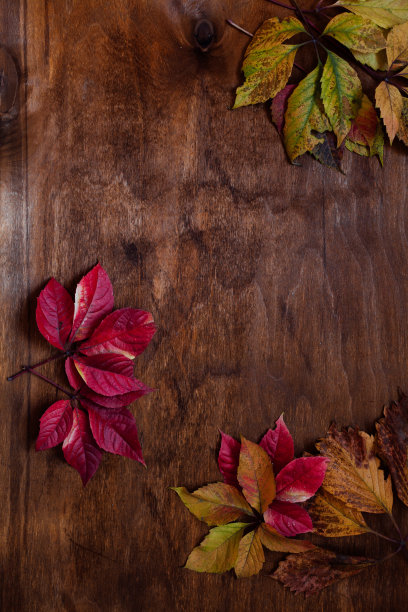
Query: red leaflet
{"type": "Point", "coordinates": [126, 331]}
{"type": "Point", "coordinates": [93, 300]}
{"type": "Point", "coordinates": [279, 106]}
{"type": "Point", "coordinates": [80, 449]}
{"type": "Point", "coordinates": [278, 443]}
{"type": "Point", "coordinates": [228, 458]}
{"type": "Point", "coordinates": [288, 519]}
{"type": "Point", "coordinates": [107, 374]}
{"type": "Point", "coordinates": [55, 424]}
{"type": "Point", "coordinates": [54, 313]}
{"type": "Point", "coordinates": [300, 479]}
{"type": "Point", "coordinates": [115, 432]}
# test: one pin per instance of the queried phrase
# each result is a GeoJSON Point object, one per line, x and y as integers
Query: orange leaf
{"type": "Point", "coordinates": [255, 475]}
{"type": "Point", "coordinates": [272, 540]}
{"type": "Point", "coordinates": [332, 518]}
{"type": "Point", "coordinates": [389, 100]}
{"type": "Point", "coordinates": [251, 556]}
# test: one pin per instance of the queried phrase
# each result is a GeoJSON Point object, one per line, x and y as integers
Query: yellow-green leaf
{"type": "Point", "coordinates": [385, 13]}
{"type": "Point", "coordinates": [341, 94]}
{"type": "Point", "coordinates": [272, 540]}
{"type": "Point", "coordinates": [397, 46]}
{"type": "Point", "coordinates": [389, 100]}
{"type": "Point", "coordinates": [218, 551]}
{"type": "Point", "coordinates": [332, 518]}
{"type": "Point", "coordinates": [273, 32]}
{"type": "Point", "coordinates": [251, 556]}
{"type": "Point", "coordinates": [215, 504]}
{"type": "Point", "coordinates": [376, 61]}
{"type": "Point", "coordinates": [304, 116]}
{"type": "Point", "coordinates": [355, 32]}
{"type": "Point", "coordinates": [255, 475]}
{"type": "Point", "coordinates": [403, 122]}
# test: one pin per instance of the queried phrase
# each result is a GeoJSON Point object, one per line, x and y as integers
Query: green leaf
{"type": "Point", "coordinates": [304, 116]}
{"type": "Point", "coordinates": [215, 504]}
{"type": "Point", "coordinates": [218, 551]}
{"type": "Point", "coordinates": [376, 61]}
{"type": "Point", "coordinates": [268, 63]}
{"type": "Point", "coordinates": [385, 13]}
{"type": "Point", "coordinates": [255, 475]}
{"type": "Point", "coordinates": [356, 33]}
{"type": "Point", "coordinates": [251, 556]}
{"type": "Point", "coordinates": [341, 93]}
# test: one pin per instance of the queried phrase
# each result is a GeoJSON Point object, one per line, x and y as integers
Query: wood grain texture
{"type": "Point", "coordinates": [275, 289]}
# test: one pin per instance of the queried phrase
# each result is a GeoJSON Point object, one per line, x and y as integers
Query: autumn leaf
{"type": "Point", "coordinates": [333, 519]}
{"type": "Point", "coordinates": [218, 551]}
{"type": "Point", "coordinates": [55, 309]}
{"type": "Point", "coordinates": [341, 94]}
{"type": "Point", "coordinates": [272, 540]}
{"type": "Point", "coordinates": [300, 479]}
{"type": "Point", "coordinates": [250, 558]}
{"type": "Point", "coordinates": [228, 458]}
{"type": "Point", "coordinates": [216, 504]}
{"type": "Point", "coordinates": [278, 444]}
{"type": "Point", "coordinates": [305, 116]}
{"type": "Point", "coordinates": [288, 519]}
{"type": "Point", "coordinates": [255, 475]}
{"type": "Point", "coordinates": [353, 473]}
{"type": "Point", "coordinates": [326, 151]}
{"type": "Point", "coordinates": [279, 106]}
{"type": "Point", "coordinates": [366, 134]}
{"type": "Point", "coordinates": [108, 375]}
{"type": "Point", "coordinates": [356, 33]}
{"type": "Point", "coordinates": [316, 569]}
{"type": "Point", "coordinates": [390, 102]}
{"type": "Point", "coordinates": [79, 447]}
{"type": "Point", "coordinates": [397, 46]}
{"type": "Point", "coordinates": [55, 425]}
{"type": "Point", "coordinates": [384, 13]}
{"type": "Point", "coordinates": [377, 61]}
{"type": "Point", "coordinates": [403, 123]}
{"type": "Point", "coordinates": [392, 444]}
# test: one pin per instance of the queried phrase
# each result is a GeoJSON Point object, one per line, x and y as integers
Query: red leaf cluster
{"type": "Point", "coordinates": [99, 345]}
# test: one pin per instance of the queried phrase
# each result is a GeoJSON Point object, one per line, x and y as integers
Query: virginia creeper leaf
{"type": "Point", "coordinates": [255, 475]}
{"type": "Point", "coordinates": [333, 519]}
{"type": "Point", "coordinates": [385, 13]}
{"type": "Point", "coordinates": [215, 504]}
{"type": "Point", "coordinates": [93, 300]}
{"type": "Point", "coordinates": [403, 123]}
{"type": "Point", "coordinates": [355, 32]}
{"type": "Point", "coordinates": [353, 474]}
{"type": "Point", "coordinates": [55, 424]}
{"type": "Point", "coordinates": [305, 116]}
{"type": "Point", "coordinates": [54, 313]}
{"type": "Point", "coordinates": [316, 569]}
{"type": "Point", "coordinates": [107, 374]}
{"type": "Point", "coordinates": [79, 447]}
{"type": "Point", "coordinates": [272, 540]}
{"type": "Point", "coordinates": [218, 551]}
{"type": "Point", "coordinates": [228, 458]}
{"type": "Point", "coordinates": [389, 100]}
{"type": "Point", "coordinates": [377, 61]}
{"type": "Point", "coordinates": [366, 135]}
{"type": "Point", "coordinates": [300, 479]}
{"type": "Point", "coordinates": [397, 46]}
{"type": "Point", "coordinates": [251, 556]}
{"type": "Point", "coordinates": [392, 444]}
{"type": "Point", "coordinates": [278, 443]}
{"type": "Point", "coordinates": [288, 519]}
{"type": "Point", "coordinates": [126, 331]}
{"type": "Point", "coordinates": [326, 151]}
{"type": "Point", "coordinates": [341, 94]}
{"type": "Point", "coordinates": [279, 106]}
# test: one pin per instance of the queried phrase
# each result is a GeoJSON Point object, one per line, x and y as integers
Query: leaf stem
{"type": "Point", "coordinates": [36, 365]}
{"type": "Point", "coordinates": [50, 382]}
{"type": "Point", "coordinates": [384, 537]}
{"type": "Point", "coordinates": [237, 27]}
{"type": "Point", "coordinates": [394, 522]}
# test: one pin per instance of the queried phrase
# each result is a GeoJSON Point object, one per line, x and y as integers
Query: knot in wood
{"type": "Point", "coordinates": [204, 34]}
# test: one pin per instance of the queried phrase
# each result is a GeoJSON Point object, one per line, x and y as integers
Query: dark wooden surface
{"type": "Point", "coordinates": [276, 289]}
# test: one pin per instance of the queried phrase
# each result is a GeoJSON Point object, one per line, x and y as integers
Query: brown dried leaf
{"type": "Point", "coordinates": [332, 518]}
{"type": "Point", "coordinates": [250, 555]}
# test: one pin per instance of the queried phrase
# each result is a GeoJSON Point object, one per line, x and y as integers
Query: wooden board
{"type": "Point", "coordinates": [275, 289]}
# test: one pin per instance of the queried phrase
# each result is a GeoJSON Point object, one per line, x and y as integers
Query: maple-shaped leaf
{"type": "Point", "coordinates": [115, 432]}
{"type": "Point", "coordinates": [255, 475]}
{"type": "Point", "coordinates": [268, 63]}
{"type": "Point", "coordinates": [341, 94]}
{"type": "Point", "coordinates": [385, 13]}
{"type": "Point", "coordinates": [126, 331]}
{"type": "Point", "coordinates": [316, 569]}
{"type": "Point", "coordinates": [55, 425]}
{"type": "Point", "coordinates": [250, 558]}
{"type": "Point", "coordinates": [272, 540]}
{"type": "Point", "coordinates": [356, 33]}
{"type": "Point", "coordinates": [353, 473]}
{"type": "Point", "coordinates": [392, 444]}
{"type": "Point", "coordinates": [366, 134]}
{"type": "Point", "coordinates": [107, 374]}
{"type": "Point", "coordinates": [79, 447]}
{"type": "Point", "coordinates": [228, 458]}
{"type": "Point", "coordinates": [403, 122]}
{"type": "Point", "coordinates": [305, 116]}
{"type": "Point", "coordinates": [216, 504]}
{"type": "Point", "coordinates": [278, 443]}
{"type": "Point", "coordinates": [288, 519]}
{"type": "Point", "coordinates": [300, 479]}
{"type": "Point", "coordinates": [93, 301]}
{"type": "Point", "coordinates": [333, 519]}
{"type": "Point", "coordinates": [218, 551]}
{"type": "Point", "coordinates": [55, 309]}
{"type": "Point", "coordinates": [397, 46]}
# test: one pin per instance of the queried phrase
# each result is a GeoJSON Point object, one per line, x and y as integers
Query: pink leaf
{"type": "Point", "coordinates": [228, 459]}
{"type": "Point", "coordinates": [55, 310]}
{"type": "Point", "coordinates": [79, 447]}
{"type": "Point", "coordinates": [288, 519]}
{"type": "Point", "coordinates": [115, 432]}
{"type": "Point", "coordinates": [278, 443]}
{"type": "Point", "coordinates": [279, 106]}
{"type": "Point", "coordinates": [55, 424]}
{"type": "Point", "coordinates": [107, 374]}
{"type": "Point", "coordinates": [300, 479]}
{"type": "Point", "coordinates": [93, 300]}
{"type": "Point", "coordinates": [126, 331]}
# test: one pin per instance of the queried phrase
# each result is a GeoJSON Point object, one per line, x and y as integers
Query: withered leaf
{"type": "Point", "coordinates": [251, 556]}
{"type": "Point", "coordinates": [332, 518]}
